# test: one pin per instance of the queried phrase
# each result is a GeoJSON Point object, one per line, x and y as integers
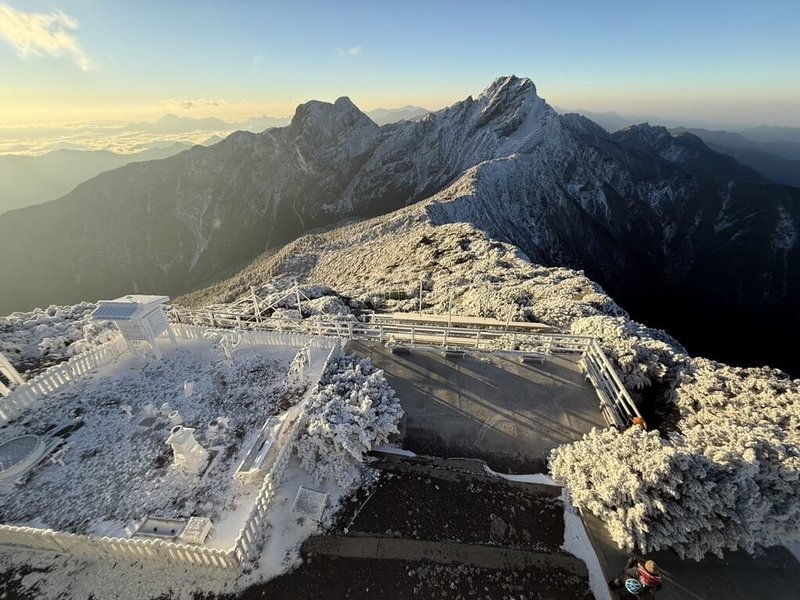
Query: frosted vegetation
{"type": "Point", "coordinates": [353, 411]}
{"type": "Point", "coordinates": [727, 479]}
{"type": "Point", "coordinates": [44, 337]}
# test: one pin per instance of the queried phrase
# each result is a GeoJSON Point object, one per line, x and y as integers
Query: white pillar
{"type": "Point", "coordinates": [190, 456]}
{"type": "Point", "coordinates": [7, 369]}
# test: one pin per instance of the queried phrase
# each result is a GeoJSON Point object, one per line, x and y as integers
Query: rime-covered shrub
{"type": "Point", "coordinates": [727, 480]}
{"type": "Point", "coordinates": [326, 307]}
{"type": "Point", "coordinates": [52, 334]}
{"type": "Point", "coordinates": [643, 355]}
{"type": "Point", "coordinates": [354, 410]}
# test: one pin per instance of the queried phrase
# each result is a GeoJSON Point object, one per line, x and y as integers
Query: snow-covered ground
{"type": "Point", "coordinates": [115, 472]}
{"type": "Point", "coordinates": [55, 576]}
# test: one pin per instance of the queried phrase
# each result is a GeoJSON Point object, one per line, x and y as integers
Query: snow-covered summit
{"type": "Point", "coordinates": [328, 119]}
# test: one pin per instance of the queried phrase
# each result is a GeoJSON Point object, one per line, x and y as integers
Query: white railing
{"type": "Point", "coordinates": [164, 552]}
{"type": "Point", "coordinates": [616, 405]}
{"type": "Point", "coordinates": [468, 337]}
{"type": "Point", "coordinates": [8, 371]}
{"type": "Point", "coordinates": [56, 377]}
{"type": "Point", "coordinates": [131, 549]}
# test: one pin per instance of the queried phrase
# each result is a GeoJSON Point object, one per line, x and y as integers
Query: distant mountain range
{"type": "Point", "coordinates": [384, 116]}
{"type": "Point", "coordinates": [27, 180]}
{"type": "Point", "coordinates": [778, 160]}
{"type": "Point", "coordinates": [681, 235]}
{"type": "Point", "coordinates": [772, 151]}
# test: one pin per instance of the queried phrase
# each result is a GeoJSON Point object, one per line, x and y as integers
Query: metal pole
{"type": "Point", "coordinates": [420, 296]}
{"type": "Point", "coordinates": [297, 293]}
{"type": "Point", "coordinates": [256, 311]}
{"type": "Point", "coordinates": [450, 309]}
{"type": "Point", "coordinates": [510, 313]}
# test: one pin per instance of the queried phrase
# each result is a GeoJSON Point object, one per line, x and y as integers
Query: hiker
{"type": "Point", "coordinates": [638, 580]}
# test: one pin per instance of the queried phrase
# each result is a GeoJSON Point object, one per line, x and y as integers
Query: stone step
{"type": "Point", "coordinates": [452, 469]}
{"type": "Point", "coordinates": [490, 557]}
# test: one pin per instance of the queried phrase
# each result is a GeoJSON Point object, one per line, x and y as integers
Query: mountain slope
{"type": "Point", "coordinates": [182, 222]}
{"type": "Point", "coordinates": [27, 180]}
{"type": "Point", "coordinates": [676, 231]}
{"type": "Point", "coordinates": [778, 161]}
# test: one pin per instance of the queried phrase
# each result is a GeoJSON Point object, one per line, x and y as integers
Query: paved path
{"type": "Point", "coordinates": [488, 407]}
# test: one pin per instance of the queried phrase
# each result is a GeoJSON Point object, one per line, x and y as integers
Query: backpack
{"type": "Point", "coordinates": [634, 586]}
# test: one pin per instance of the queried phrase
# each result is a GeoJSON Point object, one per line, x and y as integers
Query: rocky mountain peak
{"type": "Point", "coordinates": [319, 117]}
{"type": "Point", "coordinates": [651, 134]}
{"type": "Point", "coordinates": [507, 87]}
{"type": "Point", "coordinates": [508, 101]}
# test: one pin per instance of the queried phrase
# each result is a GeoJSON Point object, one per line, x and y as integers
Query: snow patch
{"type": "Point", "coordinates": [577, 543]}
{"type": "Point", "coordinates": [539, 478]}
{"type": "Point", "coordinates": [394, 450]}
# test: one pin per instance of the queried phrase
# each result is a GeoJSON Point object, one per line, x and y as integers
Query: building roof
{"type": "Point", "coordinates": [140, 299]}
{"type": "Point", "coordinates": [127, 307]}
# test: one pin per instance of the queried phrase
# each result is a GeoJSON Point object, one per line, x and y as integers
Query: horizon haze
{"type": "Point", "coordinates": [710, 65]}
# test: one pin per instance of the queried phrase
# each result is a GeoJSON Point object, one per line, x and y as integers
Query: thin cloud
{"type": "Point", "coordinates": [353, 51]}
{"type": "Point", "coordinates": [192, 103]}
{"type": "Point", "coordinates": [40, 34]}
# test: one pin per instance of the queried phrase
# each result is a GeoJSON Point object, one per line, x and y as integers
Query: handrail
{"type": "Point", "coordinates": [616, 404]}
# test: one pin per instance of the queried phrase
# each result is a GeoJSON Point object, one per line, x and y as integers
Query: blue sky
{"type": "Point", "coordinates": [720, 63]}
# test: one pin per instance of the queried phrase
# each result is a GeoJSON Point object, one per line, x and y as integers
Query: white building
{"type": "Point", "coordinates": [138, 317]}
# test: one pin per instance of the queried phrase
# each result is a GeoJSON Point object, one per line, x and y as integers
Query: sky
{"type": "Point", "coordinates": [696, 63]}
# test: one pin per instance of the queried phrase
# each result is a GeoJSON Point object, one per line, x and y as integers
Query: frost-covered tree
{"type": "Point", "coordinates": [727, 480]}
{"type": "Point", "coordinates": [643, 355]}
{"type": "Point", "coordinates": [354, 410]}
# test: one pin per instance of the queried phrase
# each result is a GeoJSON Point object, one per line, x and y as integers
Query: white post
{"type": "Point", "coordinates": [420, 296]}
{"type": "Point", "coordinates": [256, 311]}
{"type": "Point", "coordinates": [450, 309]}
{"type": "Point", "coordinates": [297, 293]}
{"type": "Point", "coordinates": [171, 335]}
{"type": "Point", "coordinates": [510, 314]}
{"type": "Point", "coordinates": [7, 369]}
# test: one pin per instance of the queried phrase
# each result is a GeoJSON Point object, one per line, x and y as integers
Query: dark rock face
{"type": "Point", "coordinates": [682, 236]}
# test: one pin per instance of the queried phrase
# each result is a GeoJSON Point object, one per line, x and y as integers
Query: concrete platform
{"type": "Point", "coordinates": [488, 407]}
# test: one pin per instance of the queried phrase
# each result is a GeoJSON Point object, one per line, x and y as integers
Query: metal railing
{"type": "Point", "coordinates": [616, 405]}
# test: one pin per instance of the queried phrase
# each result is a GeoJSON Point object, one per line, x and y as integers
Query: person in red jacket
{"type": "Point", "coordinates": [639, 580]}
